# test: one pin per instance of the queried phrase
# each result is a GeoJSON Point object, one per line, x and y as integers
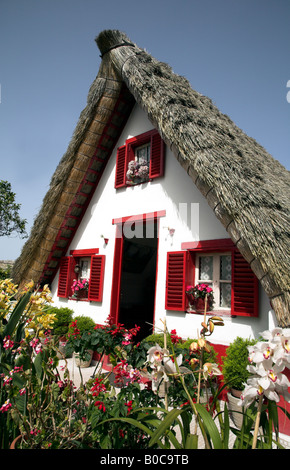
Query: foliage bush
{"type": "Point", "coordinates": [235, 363]}
{"type": "Point", "coordinates": [62, 321]}
{"type": "Point", "coordinates": [84, 323]}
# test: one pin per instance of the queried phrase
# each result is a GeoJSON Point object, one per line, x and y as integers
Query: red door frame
{"type": "Point", "coordinates": [118, 255]}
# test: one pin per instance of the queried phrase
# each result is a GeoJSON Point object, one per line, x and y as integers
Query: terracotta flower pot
{"type": "Point", "coordinates": [82, 294]}
{"type": "Point", "coordinates": [199, 305]}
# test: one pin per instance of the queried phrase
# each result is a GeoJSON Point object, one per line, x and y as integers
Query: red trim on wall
{"type": "Point", "coordinates": [117, 266]}
{"type": "Point", "coordinates": [216, 245]}
{"type": "Point", "coordinates": [116, 280]}
{"type": "Point", "coordinates": [86, 252]}
{"type": "Point", "coordinates": [139, 217]}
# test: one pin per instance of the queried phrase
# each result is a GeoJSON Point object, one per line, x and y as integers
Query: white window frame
{"type": "Point", "coordinates": [215, 282]}
{"type": "Point", "coordinates": [82, 273]}
{"type": "Point", "coordinates": [147, 144]}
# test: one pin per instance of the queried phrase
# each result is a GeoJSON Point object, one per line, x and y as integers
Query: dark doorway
{"type": "Point", "coordinates": [138, 276]}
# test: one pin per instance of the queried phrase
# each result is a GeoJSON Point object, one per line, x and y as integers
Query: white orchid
{"type": "Point", "coordinates": [270, 358]}
{"type": "Point", "coordinates": [260, 352]}
{"type": "Point", "coordinates": [253, 390]}
{"type": "Point", "coordinates": [210, 369]}
{"type": "Point", "coordinates": [163, 365]}
{"type": "Point", "coordinates": [270, 375]}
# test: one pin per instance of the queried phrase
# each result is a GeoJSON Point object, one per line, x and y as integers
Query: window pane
{"type": "Point", "coordinates": [226, 267]}
{"type": "Point", "coordinates": [225, 295]}
{"type": "Point", "coordinates": [143, 153]}
{"type": "Point", "coordinates": [206, 268]}
{"type": "Point", "coordinates": [85, 269]}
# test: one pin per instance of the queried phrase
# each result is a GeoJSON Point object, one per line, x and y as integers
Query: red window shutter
{"type": "Point", "coordinates": [64, 276]}
{"type": "Point", "coordinates": [175, 298]}
{"type": "Point", "coordinates": [97, 278]}
{"type": "Point", "coordinates": [120, 177]}
{"type": "Point", "coordinates": [157, 156]}
{"type": "Point", "coordinates": [245, 287]}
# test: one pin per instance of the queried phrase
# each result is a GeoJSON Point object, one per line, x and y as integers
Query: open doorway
{"type": "Point", "coordinates": [138, 280]}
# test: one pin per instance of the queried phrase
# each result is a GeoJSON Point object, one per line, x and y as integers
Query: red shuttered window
{"type": "Point", "coordinates": [64, 276]}
{"type": "Point", "coordinates": [95, 265]}
{"type": "Point", "coordinates": [120, 179]}
{"type": "Point", "coordinates": [175, 282]}
{"type": "Point", "coordinates": [245, 298]}
{"type": "Point", "coordinates": [182, 267]}
{"type": "Point", "coordinates": [97, 278]}
{"type": "Point", "coordinates": [180, 272]}
{"type": "Point", "coordinates": [149, 147]}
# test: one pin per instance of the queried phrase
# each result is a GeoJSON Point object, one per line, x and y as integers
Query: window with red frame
{"type": "Point", "coordinates": [219, 264]}
{"type": "Point", "coordinates": [141, 159]}
{"type": "Point", "coordinates": [79, 265]}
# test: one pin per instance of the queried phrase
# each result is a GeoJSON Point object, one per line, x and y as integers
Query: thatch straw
{"type": "Point", "coordinates": [247, 189]}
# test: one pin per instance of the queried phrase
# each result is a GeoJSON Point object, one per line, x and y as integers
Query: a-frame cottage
{"type": "Point", "coordinates": [159, 190]}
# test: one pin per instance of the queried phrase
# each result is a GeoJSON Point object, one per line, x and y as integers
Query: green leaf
{"type": "Point", "coordinates": [210, 426]}
{"type": "Point", "coordinates": [16, 314]}
{"type": "Point", "coordinates": [38, 365]}
{"type": "Point", "coordinates": [134, 422]}
{"type": "Point", "coordinates": [191, 441]}
{"type": "Point", "coordinates": [165, 425]}
{"type": "Point", "coordinates": [226, 428]}
{"type": "Point", "coordinates": [185, 428]}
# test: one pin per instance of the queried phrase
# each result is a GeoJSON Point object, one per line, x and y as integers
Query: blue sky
{"type": "Point", "coordinates": [234, 51]}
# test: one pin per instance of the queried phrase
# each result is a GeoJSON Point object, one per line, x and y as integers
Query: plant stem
{"type": "Point", "coordinates": [257, 422]}
{"type": "Point", "coordinates": [165, 383]}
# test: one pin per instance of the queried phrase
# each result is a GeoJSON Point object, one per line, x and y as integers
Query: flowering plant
{"type": "Point", "coordinates": [268, 359]}
{"type": "Point", "coordinates": [79, 337]}
{"type": "Point", "coordinates": [113, 340]}
{"type": "Point", "coordinates": [48, 410]}
{"type": "Point", "coordinates": [201, 291]}
{"type": "Point", "coordinates": [138, 171]}
{"type": "Point", "coordinates": [79, 285]}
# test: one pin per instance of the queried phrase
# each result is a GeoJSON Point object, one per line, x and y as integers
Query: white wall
{"type": "Point", "coordinates": [176, 194]}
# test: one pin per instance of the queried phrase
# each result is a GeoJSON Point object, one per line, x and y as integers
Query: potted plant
{"type": "Point", "coordinates": [80, 288]}
{"type": "Point", "coordinates": [79, 340]}
{"type": "Point", "coordinates": [235, 374]}
{"type": "Point", "coordinates": [197, 296]}
{"type": "Point", "coordinates": [138, 172]}
{"type": "Point", "coordinates": [62, 319]}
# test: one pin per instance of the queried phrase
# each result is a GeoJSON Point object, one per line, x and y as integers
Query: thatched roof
{"type": "Point", "coordinates": [247, 188]}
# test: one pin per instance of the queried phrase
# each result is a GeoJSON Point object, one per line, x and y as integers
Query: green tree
{"type": "Point", "coordinates": [10, 220]}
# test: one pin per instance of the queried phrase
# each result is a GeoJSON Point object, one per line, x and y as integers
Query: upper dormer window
{"type": "Point", "coordinates": [141, 159]}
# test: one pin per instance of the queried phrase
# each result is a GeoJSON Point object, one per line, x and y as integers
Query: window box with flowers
{"type": "Point", "coordinates": [200, 298]}
{"type": "Point", "coordinates": [138, 172]}
{"type": "Point", "coordinates": [80, 288]}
